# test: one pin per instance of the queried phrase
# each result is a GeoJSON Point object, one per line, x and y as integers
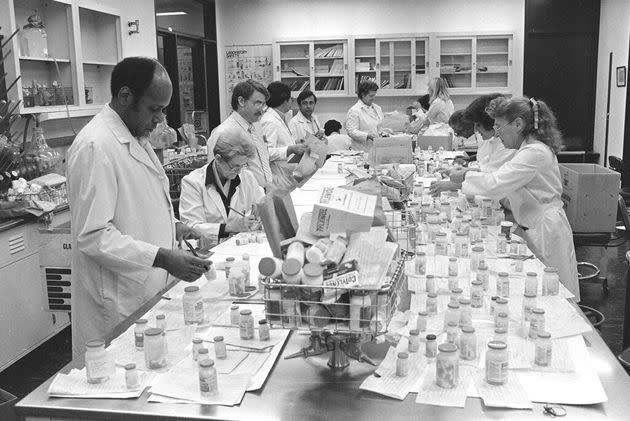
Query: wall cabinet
{"type": "Point", "coordinates": [475, 64]}
{"type": "Point", "coordinates": [72, 74]}
{"type": "Point", "coordinates": [321, 66]}
{"type": "Point", "coordinates": [399, 65]}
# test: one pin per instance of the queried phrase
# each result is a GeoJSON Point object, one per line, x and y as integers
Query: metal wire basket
{"type": "Point", "coordinates": [402, 228]}
{"type": "Point", "coordinates": [357, 310]}
{"type": "Point", "coordinates": [176, 170]}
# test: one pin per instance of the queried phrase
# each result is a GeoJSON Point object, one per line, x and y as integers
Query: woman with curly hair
{"type": "Point", "coordinates": [531, 181]}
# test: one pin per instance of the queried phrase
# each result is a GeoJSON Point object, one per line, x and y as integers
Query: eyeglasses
{"type": "Point", "coordinates": [236, 167]}
{"type": "Point", "coordinates": [498, 129]}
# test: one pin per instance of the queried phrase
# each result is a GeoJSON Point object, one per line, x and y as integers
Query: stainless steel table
{"type": "Point", "coordinates": [308, 389]}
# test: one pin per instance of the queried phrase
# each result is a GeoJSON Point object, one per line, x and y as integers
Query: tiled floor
{"type": "Point", "coordinates": [32, 370]}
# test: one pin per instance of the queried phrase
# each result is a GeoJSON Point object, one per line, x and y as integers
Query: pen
{"type": "Point", "coordinates": [190, 247]}
{"type": "Point", "coordinates": [240, 213]}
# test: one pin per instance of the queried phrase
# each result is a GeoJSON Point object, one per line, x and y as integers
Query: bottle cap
{"type": "Point", "coordinates": [154, 331]}
{"type": "Point", "coordinates": [218, 339]}
{"type": "Point", "coordinates": [192, 288]}
{"type": "Point", "coordinates": [312, 270]}
{"type": "Point", "coordinates": [267, 266]}
{"type": "Point", "coordinates": [414, 332]}
{"type": "Point", "coordinates": [142, 321]}
{"type": "Point", "coordinates": [291, 267]}
{"type": "Point", "coordinates": [246, 312]}
{"type": "Point", "coordinates": [132, 366]}
{"type": "Point", "coordinates": [197, 340]}
{"type": "Point", "coordinates": [96, 343]}
{"type": "Point", "coordinates": [497, 345]}
{"type": "Point", "coordinates": [206, 363]}
{"type": "Point", "coordinates": [447, 347]}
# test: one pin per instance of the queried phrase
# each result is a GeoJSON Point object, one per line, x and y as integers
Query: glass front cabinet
{"type": "Point", "coordinates": [321, 66]}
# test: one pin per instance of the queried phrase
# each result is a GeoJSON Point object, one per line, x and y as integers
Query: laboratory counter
{"type": "Point", "coordinates": [308, 389]}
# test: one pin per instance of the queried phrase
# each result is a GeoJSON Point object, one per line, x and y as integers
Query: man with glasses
{"type": "Point", "coordinates": [217, 199]}
{"type": "Point", "coordinates": [248, 103]}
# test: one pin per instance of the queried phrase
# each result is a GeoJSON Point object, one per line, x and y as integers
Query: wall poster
{"type": "Point", "coordinates": [244, 62]}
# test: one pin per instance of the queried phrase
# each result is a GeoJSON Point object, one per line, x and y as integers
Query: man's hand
{"type": "Point", "coordinates": [184, 232]}
{"type": "Point", "coordinates": [320, 134]}
{"type": "Point", "coordinates": [243, 224]}
{"type": "Point", "coordinates": [180, 264]}
{"type": "Point", "coordinates": [444, 185]}
{"type": "Point", "coordinates": [297, 149]}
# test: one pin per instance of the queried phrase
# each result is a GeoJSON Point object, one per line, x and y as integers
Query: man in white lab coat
{"type": "Point", "coordinates": [123, 227]}
{"type": "Point", "coordinates": [305, 121]}
{"type": "Point", "coordinates": [279, 138]}
{"type": "Point", "coordinates": [248, 103]}
{"type": "Point", "coordinates": [217, 198]}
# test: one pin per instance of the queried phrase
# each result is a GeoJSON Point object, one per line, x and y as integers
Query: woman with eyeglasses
{"type": "Point", "coordinates": [217, 198]}
{"type": "Point", "coordinates": [530, 180]}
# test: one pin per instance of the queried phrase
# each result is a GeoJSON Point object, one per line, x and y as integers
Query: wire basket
{"type": "Point", "coordinates": [176, 170]}
{"type": "Point", "coordinates": [357, 310]}
{"type": "Point", "coordinates": [402, 226]}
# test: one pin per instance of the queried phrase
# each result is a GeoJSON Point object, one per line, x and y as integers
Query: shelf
{"type": "Point", "coordinates": [492, 72]}
{"type": "Point", "coordinates": [365, 71]}
{"type": "Point", "coordinates": [493, 53]}
{"type": "Point", "coordinates": [55, 112]}
{"type": "Point", "coordinates": [329, 58]}
{"type": "Point", "coordinates": [455, 54]}
{"type": "Point", "coordinates": [295, 77]}
{"type": "Point", "coordinates": [463, 72]}
{"type": "Point", "coordinates": [294, 58]}
{"type": "Point", "coordinates": [99, 63]}
{"type": "Point", "coordinates": [372, 56]}
{"type": "Point", "coordinates": [328, 75]}
{"type": "Point", "coordinates": [45, 59]}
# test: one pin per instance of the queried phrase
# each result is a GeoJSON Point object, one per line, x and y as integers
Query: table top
{"type": "Point", "coordinates": [307, 389]}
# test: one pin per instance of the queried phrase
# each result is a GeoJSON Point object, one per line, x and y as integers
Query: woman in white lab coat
{"type": "Point", "coordinates": [441, 106]}
{"type": "Point", "coordinates": [217, 198]}
{"type": "Point", "coordinates": [280, 140]}
{"type": "Point", "coordinates": [364, 117]}
{"type": "Point", "coordinates": [530, 181]}
{"type": "Point", "coordinates": [491, 153]}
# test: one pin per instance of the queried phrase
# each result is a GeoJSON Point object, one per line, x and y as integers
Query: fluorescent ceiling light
{"type": "Point", "coordinates": [170, 13]}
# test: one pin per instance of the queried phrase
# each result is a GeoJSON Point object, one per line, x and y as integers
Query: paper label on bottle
{"type": "Point", "coordinates": [496, 371]}
{"type": "Point", "coordinates": [97, 369]}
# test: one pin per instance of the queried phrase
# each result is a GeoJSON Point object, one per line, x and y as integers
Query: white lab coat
{"type": "Point", "coordinates": [301, 126]}
{"type": "Point", "coordinates": [362, 120]}
{"type": "Point", "coordinates": [279, 138]}
{"type": "Point", "coordinates": [531, 181]}
{"type": "Point", "coordinates": [121, 214]}
{"type": "Point", "coordinates": [491, 153]}
{"type": "Point", "coordinates": [201, 207]}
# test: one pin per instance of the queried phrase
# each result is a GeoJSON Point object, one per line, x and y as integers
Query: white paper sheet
{"type": "Point", "coordinates": [184, 384]}
{"type": "Point", "coordinates": [231, 336]}
{"type": "Point", "coordinates": [75, 385]}
{"type": "Point", "coordinates": [581, 387]}
{"type": "Point", "coordinates": [223, 366]}
{"type": "Point", "coordinates": [432, 394]}
{"type": "Point", "coordinates": [389, 384]}
{"type": "Point", "coordinates": [509, 395]}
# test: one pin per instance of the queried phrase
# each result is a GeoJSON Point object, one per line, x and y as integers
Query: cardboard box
{"type": "Point", "coordinates": [340, 210]}
{"type": "Point", "coordinates": [392, 150]}
{"type": "Point", "coordinates": [590, 193]}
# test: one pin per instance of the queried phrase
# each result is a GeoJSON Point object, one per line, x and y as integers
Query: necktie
{"type": "Point", "coordinates": [263, 155]}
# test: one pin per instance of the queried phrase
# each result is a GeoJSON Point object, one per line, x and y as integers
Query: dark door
{"type": "Point", "coordinates": [560, 65]}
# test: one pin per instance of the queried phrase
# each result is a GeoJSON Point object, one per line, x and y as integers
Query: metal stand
{"type": "Point", "coordinates": [341, 347]}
